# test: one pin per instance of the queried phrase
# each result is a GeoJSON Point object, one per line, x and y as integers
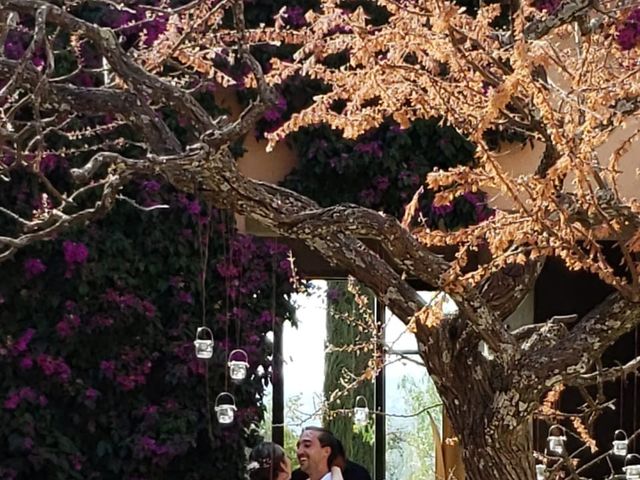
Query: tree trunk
{"type": "Point", "coordinates": [506, 458]}
{"type": "Point", "coordinates": [488, 417]}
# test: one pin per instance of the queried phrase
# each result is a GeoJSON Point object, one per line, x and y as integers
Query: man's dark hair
{"type": "Point", "coordinates": [326, 438]}
{"type": "Point", "coordinates": [340, 452]}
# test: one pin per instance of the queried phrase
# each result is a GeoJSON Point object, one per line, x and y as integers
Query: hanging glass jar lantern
{"type": "Point", "coordinates": [620, 443]}
{"type": "Point", "coordinates": [238, 364]}
{"type": "Point", "coordinates": [225, 412]}
{"type": "Point", "coordinates": [556, 439]}
{"type": "Point", "coordinates": [540, 469]}
{"type": "Point", "coordinates": [361, 411]}
{"type": "Point", "coordinates": [203, 342]}
{"type": "Point", "coordinates": [632, 466]}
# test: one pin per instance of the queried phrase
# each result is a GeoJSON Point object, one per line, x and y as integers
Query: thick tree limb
{"type": "Point", "coordinates": [284, 213]}
{"type": "Point", "coordinates": [567, 359]}
{"type": "Point", "coordinates": [568, 11]}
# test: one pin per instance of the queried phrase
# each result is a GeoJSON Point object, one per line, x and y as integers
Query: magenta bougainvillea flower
{"type": "Point", "coordinates": [33, 267]}
{"type": "Point", "coordinates": [75, 252]}
{"type": "Point", "coordinates": [629, 33]}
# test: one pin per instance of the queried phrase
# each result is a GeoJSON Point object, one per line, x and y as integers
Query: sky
{"type": "Point", "coordinates": [303, 349]}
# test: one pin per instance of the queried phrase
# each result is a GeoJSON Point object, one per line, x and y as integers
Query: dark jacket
{"type": "Point", "coordinates": [352, 471]}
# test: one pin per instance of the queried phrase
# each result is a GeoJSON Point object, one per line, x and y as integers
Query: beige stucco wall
{"type": "Point", "coordinates": [518, 160]}
{"type": "Point", "coordinates": [256, 162]}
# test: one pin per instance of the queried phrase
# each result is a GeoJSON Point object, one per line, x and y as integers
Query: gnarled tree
{"type": "Point", "coordinates": [566, 76]}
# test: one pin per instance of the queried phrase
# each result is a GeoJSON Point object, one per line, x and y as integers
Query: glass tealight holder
{"type": "Point", "coordinates": [556, 439]}
{"type": "Point", "coordinates": [361, 411]}
{"type": "Point", "coordinates": [203, 342]}
{"type": "Point", "coordinates": [620, 443]}
{"type": "Point", "coordinates": [238, 364]}
{"type": "Point", "coordinates": [225, 412]}
{"type": "Point", "coordinates": [632, 466]}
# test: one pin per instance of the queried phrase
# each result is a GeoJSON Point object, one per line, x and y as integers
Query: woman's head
{"type": "Point", "coordinates": [268, 461]}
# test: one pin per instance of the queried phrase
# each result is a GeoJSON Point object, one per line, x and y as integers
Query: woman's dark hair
{"type": "Point", "coordinates": [265, 461]}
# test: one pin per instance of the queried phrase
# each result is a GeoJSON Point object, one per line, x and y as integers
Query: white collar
{"type": "Point", "coordinates": [327, 476]}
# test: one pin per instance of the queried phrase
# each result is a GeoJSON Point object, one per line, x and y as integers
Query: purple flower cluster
{"type": "Point", "coordinates": [91, 395]}
{"type": "Point", "coordinates": [548, 6]}
{"type": "Point", "coordinates": [629, 33]}
{"type": "Point", "coordinates": [149, 193]}
{"type": "Point", "coordinates": [142, 23]}
{"type": "Point", "coordinates": [294, 17]}
{"type": "Point", "coordinates": [50, 161]}
{"type": "Point", "coordinates": [75, 253]}
{"type": "Point", "coordinates": [191, 364]}
{"type": "Point", "coordinates": [130, 302]}
{"type": "Point", "coordinates": [373, 148]}
{"type": "Point", "coordinates": [68, 325]}
{"type": "Point", "coordinates": [482, 210]}
{"type": "Point", "coordinates": [28, 394]}
{"type": "Point", "coordinates": [127, 375]}
{"type": "Point", "coordinates": [160, 453]}
{"type": "Point", "coordinates": [54, 367]}
{"type": "Point", "coordinates": [14, 46]}
{"type": "Point", "coordinates": [479, 201]}
{"type": "Point", "coordinates": [8, 473]}
{"type": "Point", "coordinates": [274, 114]}
{"type": "Point", "coordinates": [131, 371]}
{"type": "Point", "coordinates": [22, 343]}
{"type": "Point", "coordinates": [108, 367]}
{"type": "Point", "coordinates": [273, 118]}
{"type": "Point", "coordinates": [192, 207]}
{"type": "Point", "coordinates": [151, 186]}
{"type": "Point", "coordinates": [442, 210]}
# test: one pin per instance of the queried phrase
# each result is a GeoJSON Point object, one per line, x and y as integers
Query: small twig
{"type": "Point", "coordinates": [140, 207]}
{"type": "Point", "coordinates": [607, 374]}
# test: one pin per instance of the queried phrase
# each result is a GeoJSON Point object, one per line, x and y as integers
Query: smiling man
{"type": "Point", "coordinates": [316, 451]}
{"type": "Point", "coordinates": [341, 467]}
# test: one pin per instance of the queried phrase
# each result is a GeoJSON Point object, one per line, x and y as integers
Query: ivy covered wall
{"type": "Point", "coordinates": [98, 377]}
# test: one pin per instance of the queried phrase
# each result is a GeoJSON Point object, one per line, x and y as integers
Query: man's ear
{"type": "Point", "coordinates": [326, 451]}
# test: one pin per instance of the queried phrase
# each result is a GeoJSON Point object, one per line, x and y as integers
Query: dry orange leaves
{"type": "Point", "coordinates": [570, 91]}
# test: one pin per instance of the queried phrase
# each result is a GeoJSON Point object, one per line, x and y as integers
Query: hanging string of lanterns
{"type": "Point", "coordinates": [237, 365]}
{"type": "Point", "coordinates": [620, 448]}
